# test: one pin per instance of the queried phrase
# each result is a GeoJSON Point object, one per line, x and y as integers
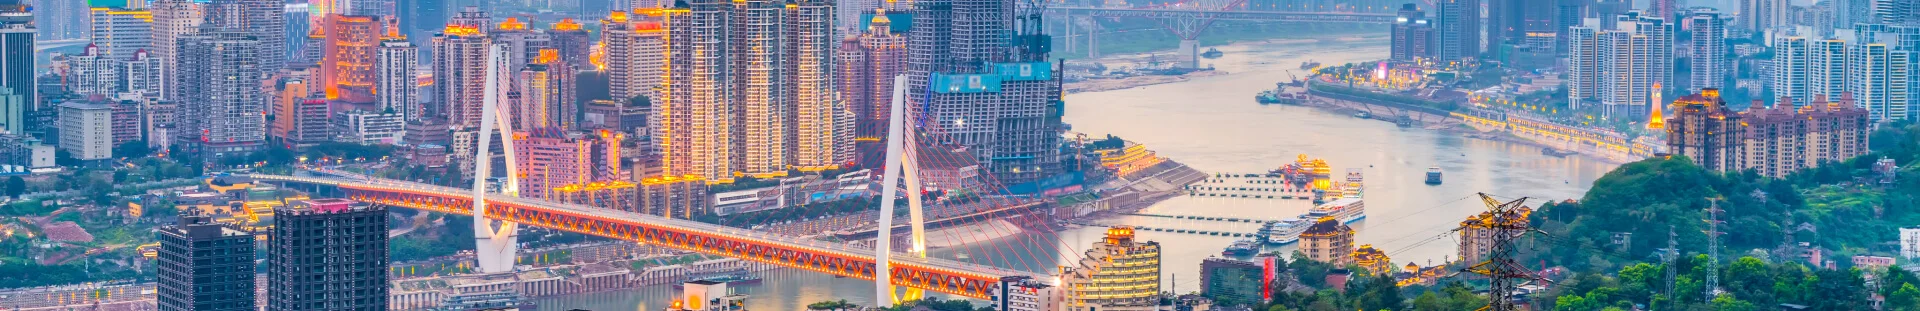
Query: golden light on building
{"type": "Point", "coordinates": [547, 56]}
{"type": "Point", "coordinates": [461, 30]}
{"type": "Point", "coordinates": [1655, 119]}
{"type": "Point", "coordinates": [1372, 259]}
{"type": "Point", "coordinates": [617, 16]}
{"type": "Point", "coordinates": [566, 24]}
{"type": "Point", "coordinates": [512, 24]}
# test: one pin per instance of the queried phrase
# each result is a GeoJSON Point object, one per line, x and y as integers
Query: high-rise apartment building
{"type": "Point", "coordinates": [1412, 34]}
{"type": "Point", "coordinates": [204, 266]}
{"type": "Point", "coordinates": [1458, 29]}
{"type": "Point", "coordinates": [262, 19]}
{"type": "Point", "coordinates": [1791, 64]}
{"type": "Point", "coordinates": [92, 73]}
{"type": "Point", "coordinates": [868, 65]}
{"type": "Point", "coordinates": [1878, 77]}
{"type": "Point", "coordinates": [140, 74]}
{"type": "Point", "coordinates": [1758, 15]}
{"type": "Point", "coordinates": [1787, 138]}
{"type": "Point", "coordinates": [1617, 68]}
{"type": "Point", "coordinates": [119, 31]}
{"type": "Point", "coordinates": [1703, 129]}
{"type": "Point", "coordinates": [174, 20]}
{"type": "Point", "coordinates": [1827, 68]}
{"type": "Point", "coordinates": [459, 69]}
{"type": "Point", "coordinates": [1116, 273]}
{"type": "Point", "coordinates": [636, 55]}
{"type": "Point", "coordinates": [86, 130]}
{"type": "Point", "coordinates": [17, 66]}
{"type": "Point", "coordinates": [749, 90]}
{"type": "Point", "coordinates": [60, 19]}
{"type": "Point", "coordinates": [551, 159]}
{"type": "Point", "coordinates": [572, 41]}
{"type": "Point", "coordinates": [395, 86]}
{"type": "Point", "coordinates": [220, 90]}
{"type": "Point", "coordinates": [327, 254]}
{"type": "Point", "coordinates": [539, 105]}
{"type": "Point", "coordinates": [1010, 119]}
{"type": "Point", "coordinates": [347, 63]}
{"type": "Point", "coordinates": [1709, 61]}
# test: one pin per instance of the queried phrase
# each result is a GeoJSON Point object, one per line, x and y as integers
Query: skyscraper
{"type": "Point", "coordinates": [1458, 29]}
{"type": "Point", "coordinates": [220, 90]}
{"type": "Point", "coordinates": [346, 66]}
{"type": "Point", "coordinates": [1619, 66]}
{"type": "Point", "coordinates": [459, 67]}
{"type": "Point", "coordinates": [16, 65]}
{"type": "Point", "coordinates": [119, 32]}
{"type": "Point", "coordinates": [395, 86]}
{"type": "Point", "coordinates": [695, 133]}
{"type": "Point", "coordinates": [1412, 34]}
{"type": "Point", "coordinates": [204, 266]}
{"type": "Point", "coordinates": [60, 20]}
{"type": "Point", "coordinates": [263, 19]}
{"type": "Point", "coordinates": [1709, 61]}
{"type": "Point", "coordinates": [92, 73]}
{"type": "Point", "coordinates": [1827, 68]}
{"type": "Point", "coordinates": [299, 25]}
{"type": "Point", "coordinates": [522, 43]}
{"type": "Point", "coordinates": [1583, 65]}
{"type": "Point", "coordinates": [573, 42]}
{"type": "Point", "coordinates": [819, 137]}
{"type": "Point", "coordinates": [327, 254]}
{"type": "Point", "coordinates": [868, 64]}
{"type": "Point", "coordinates": [636, 56]}
{"type": "Point", "coordinates": [1877, 77]}
{"type": "Point", "coordinates": [174, 20]}
{"type": "Point", "coordinates": [1791, 65]}
{"type": "Point", "coordinates": [977, 89]}
{"type": "Point", "coordinates": [140, 74]}
{"type": "Point", "coordinates": [1758, 15]}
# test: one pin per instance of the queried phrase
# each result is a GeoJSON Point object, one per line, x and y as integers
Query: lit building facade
{"type": "Point", "coordinates": [694, 131]}
{"type": "Point", "coordinates": [1373, 260]}
{"type": "Point", "coordinates": [1328, 241]}
{"type": "Point", "coordinates": [120, 32]}
{"type": "Point", "coordinates": [1627, 62]}
{"type": "Point", "coordinates": [868, 65]}
{"type": "Point", "coordinates": [681, 197]}
{"type": "Point", "coordinates": [396, 87]}
{"type": "Point", "coordinates": [552, 160]}
{"type": "Point", "coordinates": [1827, 68]}
{"type": "Point", "coordinates": [347, 63]}
{"type": "Point", "coordinates": [1702, 128]}
{"type": "Point", "coordinates": [459, 69]}
{"type": "Point", "coordinates": [1118, 273]}
{"type": "Point", "coordinates": [636, 55]}
{"type": "Point", "coordinates": [1477, 233]}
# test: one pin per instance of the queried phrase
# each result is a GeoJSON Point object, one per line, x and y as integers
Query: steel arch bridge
{"type": "Point", "coordinates": [840, 259]}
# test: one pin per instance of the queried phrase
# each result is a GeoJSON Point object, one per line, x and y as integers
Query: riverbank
{"type": "Point", "coordinates": [1137, 59]}
{"type": "Point", "coordinates": [1100, 85]}
{"type": "Point", "coordinates": [1454, 126]}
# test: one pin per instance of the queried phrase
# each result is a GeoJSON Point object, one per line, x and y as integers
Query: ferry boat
{"type": "Point", "coordinates": [1433, 175]}
{"type": "Point", "coordinates": [1557, 153]}
{"type": "Point", "coordinates": [1278, 97]}
{"type": "Point", "coordinates": [1285, 231]}
{"type": "Point", "coordinates": [1288, 231]}
{"type": "Point", "coordinates": [1362, 115]}
{"type": "Point", "coordinates": [1212, 53]}
{"type": "Point", "coordinates": [1242, 248]}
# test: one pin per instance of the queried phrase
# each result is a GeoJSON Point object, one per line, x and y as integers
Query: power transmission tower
{"type": "Point", "coordinates": [1673, 251]}
{"type": "Point", "coordinates": [1713, 248]}
{"type": "Point", "coordinates": [1504, 225]}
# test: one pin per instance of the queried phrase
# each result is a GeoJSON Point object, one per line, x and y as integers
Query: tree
{"type": "Point", "coordinates": [1907, 298]}
{"type": "Point", "coordinates": [16, 186]}
{"type": "Point", "coordinates": [132, 149]}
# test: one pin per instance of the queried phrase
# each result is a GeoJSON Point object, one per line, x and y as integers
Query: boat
{"type": "Point", "coordinates": [1269, 97]}
{"type": "Point", "coordinates": [1346, 209]}
{"type": "Point", "coordinates": [1550, 151]}
{"type": "Point", "coordinates": [1309, 64]}
{"type": "Point", "coordinates": [1242, 248]}
{"type": "Point", "coordinates": [739, 278]}
{"type": "Point", "coordinates": [1433, 175]}
{"type": "Point", "coordinates": [1285, 231]}
{"type": "Point", "coordinates": [1403, 121]}
{"type": "Point", "coordinates": [1362, 115]}
{"type": "Point", "coordinates": [1211, 53]}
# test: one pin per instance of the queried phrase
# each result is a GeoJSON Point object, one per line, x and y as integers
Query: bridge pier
{"type": "Point", "coordinates": [1188, 55]}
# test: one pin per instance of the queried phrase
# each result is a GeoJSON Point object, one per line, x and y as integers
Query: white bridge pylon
{"type": "Point", "coordinates": [494, 248]}
{"type": "Point", "coordinates": [901, 160]}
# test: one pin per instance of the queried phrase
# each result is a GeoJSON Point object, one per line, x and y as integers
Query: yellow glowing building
{"type": "Point", "coordinates": [1328, 241]}
{"type": "Point", "coordinates": [1117, 274]}
{"type": "Point", "coordinates": [1372, 259]}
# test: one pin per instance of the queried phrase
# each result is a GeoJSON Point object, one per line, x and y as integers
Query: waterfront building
{"type": "Point", "coordinates": [679, 197]}
{"type": "Point", "coordinates": [1232, 282]}
{"type": "Point", "coordinates": [204, 266]}
{"type": "Point", "coordinates": [703, 295]}
{"type": "Point", "coordinates": [1016, 139]}
{"type": "Point", "coordinates": [868, 65]}
{"type": "Point", "coordinates": [1792, 63]}
{"type": "Point", "coordinates": [221, 92]}
{"type": "Point", "coordinates": [1785, 139]}
{"type": "Point", "coordinates": [327, 254]}
{"type": "Point", "coordinates": [1616, 68]}
{"type": "Point", "coordinates": [347, 63]}
{"type": "Point", "coordinates": [369, 127]}
{"type": "Point", "coordinates": [396, 89]}
{"type": "Point", "coordinates": [1373, 260]}
{"type": "Point", "coordinates": [636, 56]}
{"type": "Point", "coordinates": [120, 31]}
{"type": "Point", "coordinates": [1412, 34]}
{"type": "Point", "coordinates": [17, 68]}
{"type": "Point", "coordinates": [1709, 49]}
{"type": "Point", "coordinates": [174, 20]}
{"type": "Point", "coordinates": [1020, 293]}
{"type": "Point", "coordinates": [262, 19]}
{"type": "Point", "coordinates": [1703, 129]}
{"type": "Point", "coordinates": [1458, 29]}
{"type": "Point", "coordinates": [1328, 241]}
{"type": "Point", "coordinates": [1583, 66]}
{"type": "Point", "coordinates": [1118, 273]}
{"type": "Point", "coordinates": [86, 130]}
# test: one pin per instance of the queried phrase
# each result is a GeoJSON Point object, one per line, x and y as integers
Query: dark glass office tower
{"type": "Point", "coordinates": [327, 254]}
{"type": "Point", "coordinates": [204, 266]}
{"type": "Point", "coordinates": [16, 65]}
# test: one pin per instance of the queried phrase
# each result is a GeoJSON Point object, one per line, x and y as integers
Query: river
{"type": "Point", "coordinates": [1213, 125]}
